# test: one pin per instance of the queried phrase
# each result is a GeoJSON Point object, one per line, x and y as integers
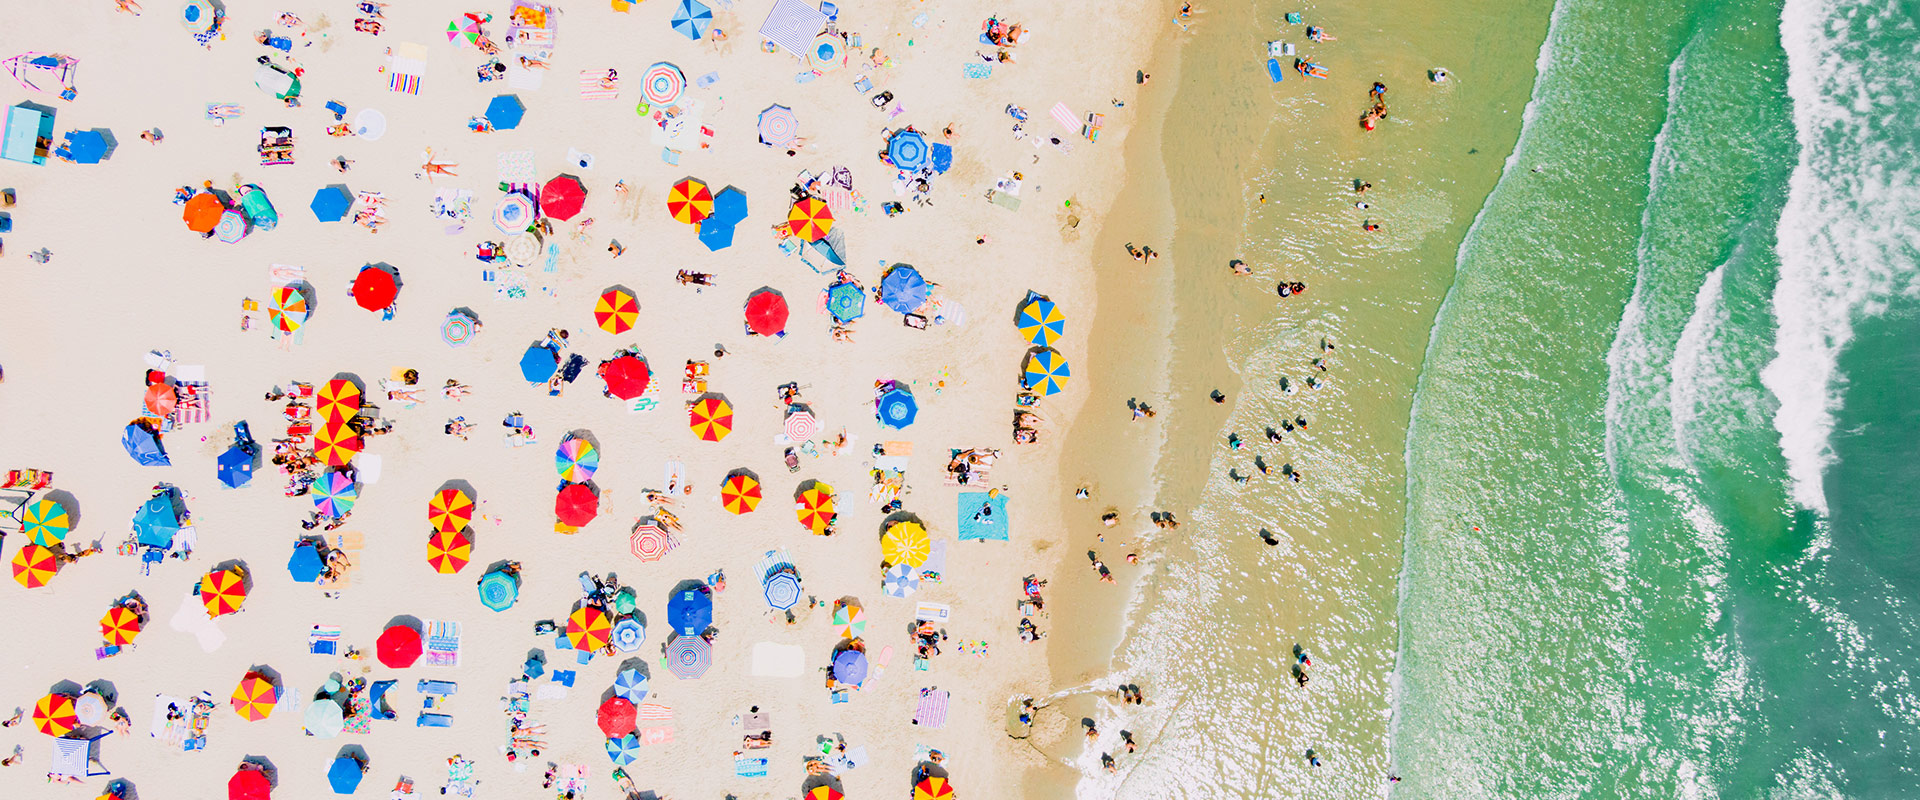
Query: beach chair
{"type": "Point", "coordinates": [442, 688]}
{"type": "Point", "coordinates": [426, 720]}
{"type": "Point", "coordinates": [32, 480]}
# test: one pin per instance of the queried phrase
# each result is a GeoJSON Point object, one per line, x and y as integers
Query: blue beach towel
{"type": "Point", "coordinates": [982, 518]}
{"type": "Point", "coordinates": [977, 70]}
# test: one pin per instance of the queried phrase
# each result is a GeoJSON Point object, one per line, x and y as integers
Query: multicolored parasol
{"type": "Point", "coordinates": [119, 626]}
{"type": "Point", "coordinates": [849, 621]}
{"type": "Point", "coordinates": [1041, 322]}
{"type": "Point", "coordinates": [54, 715]}
{"type": "Point", "coordinates": [589, 628]}
{"type": "Point", "coordinates": [334, 494]}
{"type": "Point", "coordinates": [740, 492]}
{"type": "Point", "coordinates": [448, 551]}
{"type": "Point", "coordinates": [1046, 371]}
{"type": "Point", "coordinates": [689, 201]}
{"type": "Point", "coordinates": [335, 444]}
{"type": "Point", "coordinates": [46, 522]}
{"type": "Point", "coordinates": [223, 591]}
{"type": "Point", "coordinates": [814, 507]}
{"type": "Point", "coordinates": [617, 311]}
{"type": "Point", "coordinates": [286, 309]}
{"type": "Point", "coordinates": [576, 460]}
{"type": "Point", "coordinates": [254, 698]}
{"type": "Point", "coordinates": [449, 510]}
{"type": "Point", "coordinates": [710, 418]}
{"type": "Point", "coordinates": [337, 401]}
{"type": "Point", "coordinates": [34, 566]}
{"type": "Point", "coordinates": [810, 219]}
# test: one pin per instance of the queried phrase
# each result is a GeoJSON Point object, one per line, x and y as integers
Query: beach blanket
{"type": "Point", "coordinates": [749, 766]}
{"type": "Point", "coordinates": [515, 166]}
{"type": "Point", "coordinates": [324, 640]}
{"type": "Point", "coordinates": [976, 70]}
{"type": "Point", "coordinates": [443, 644]}
{"type": "Point", "coordinates": [932, 711]}
{"type": "Point", "coordinates": [982, 517]}
{"type": "Point", "coordinates": [192, 407]}
{"type": "Point", "coordinates": [653, 712]}
{"type": "Point", "coordinates": [936, 562]}
{"type": "Point", "coordinates": [406, 66]}
{"type": "Point", "coordinates": [170, 732]}
{"type": "Point", "coordinates": [599, 84]}
{"type": "Point", "coordinates": [936, 613]}
{"type": "Point", "coordinates": [452, 205]}
{"type": "Point", "coordinates": [1065, 117]}
{"type": "Point", "coordinates": [655, 736]}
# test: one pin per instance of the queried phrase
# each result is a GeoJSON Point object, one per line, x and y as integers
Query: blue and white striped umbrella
{"type": "Point", "coordinates": [692, 19]}
{"type": "Point", "coordinates": [689, 657]}
{"type": "Point", "coordinates": [631, 685]}
{"type": "Point", "coordinates": [628, 635]}
{"type": "Point", "coordinates": [624, 749]}
{"type": "Point", "coordinates": [900, 580]}
{"type": "Point", "coordinates": [782, 589]}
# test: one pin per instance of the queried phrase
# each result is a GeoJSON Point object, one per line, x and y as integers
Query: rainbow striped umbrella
{"type": "Point", "coordinates": [46, 523]}
{"type": "Point", "coordinates": [286, 309]}
{"type": "Point", "coordinates": [576, 460]}
{"type": "Point", "coordinates": [334, 493]}
{"type": "Point", "coordinates": [34, 566]}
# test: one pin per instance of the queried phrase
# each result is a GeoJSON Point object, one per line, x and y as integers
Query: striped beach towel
{"type": "Point", "coordinates": [1065, 117]}
{"type": "Point", "coordinates": [193, 402]}
{"type": "Point", "coordinates": [932, 711]}
{"type": "Point", "coordinates": [749, 767]}
{"type": "Point", "coordinates": [443, 644]}
{"type": "Point", "coordinates": [403, 83]}
{"type": "Point", "coordinates": [324, 640]}
{"type": "Point", "coordinates": [655, 736]}
{"type": "Point", "coordinates": [653, 712]}
{"type": "Point", "coordinates": [599, 84]}
{"type": "Point", "coordinates": [409, 64]}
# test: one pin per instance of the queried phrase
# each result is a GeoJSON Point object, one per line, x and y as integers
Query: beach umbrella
{"type": "Point", "coordinates": [900, 580]}
{"type": "Point", "coordinates": [778, 126]}
{"type": "Point", "coordinates": [335, 444]}
{"type": "Point", "coordinates": [457, 329]}
{"type": "Point", "coordinates": [398, 647]}
{"type": "Point", "coordinates": [513, 213]}
{"type": "Point", "coordinates": [370, 124]}
{"type": "Point", "coordinates": [120, 625]}
{"type": "Point", "coordinates": [202, 213]}
{"type": "Point", "coordinates": [616, 311]}
{"type": "Point", "coordinates": [810, 219]}
{"type": "Point", "coordinates": [34, 566]}
{"type": "Point", "coordinates": [330, 203]}
{"type": "Point", "coordinates": [448, 551]}
{"type": "Point", "coordinates": [46, 522]}
{"type": "Point", "coordinates": [324, 719]}
{"type": "Point", "coordinates": [615, 717]}
{"type": "Point", "coordinates": [907, 150]}
{"type": "Point", "coordinates": [729, 207]}
{"type": "Point", "coordinates": [86, 147]}
{"type": "Point", "coordinates": [522, 249]}
{"type": "Point", "coordinates": [563, 197]}
{"type": "Point", "coordinates": [850, 666]}
{"type": "Point", "coordinates": [626, 376]}
{"type": "Point", "coordinates": [157, 521]}
{"type": "Point", "coordinates": [823, 792]}
{"type": "Point", "coordinates": [903, 289]}
{"type": "Point", "coordinates": [1040, 322]}
{"type": "Point", "coordinates": [800, 424]}
{"type": "Point", "coordinates": [232, 226]}
{"type": "Point", "coordinates": [690, 612]}
{"type": "Point", "coordinates": [710, 418]}
{"type": "Point", "coordinates": [449, 510]}
{"type": "Point", "coordinates": [54, 715]}
{"type": "Point", "coordinates": [466, 30]}
{"type": "Point", "coordinates": [623, 749]}
{"type": "Point", "coordinates": [849, 621]}
{"type": "Point", "coordinates": [345, 774]}
{"type": "Point", "coordinates": [897, 409]}
{"type": "Point", "coordinates": [905, 542]}
{"type": "Point", "coordinates": [766, 312]}
{"type": "Point", "coordinates": [689, 201]}
{"type": "Point", "coordinates": [499, 590]}
{"type": "Point", "coordinates": [249, 784]}
{"type": "Point", "coordinates": [630, 684]}
{"type": "Point", "coordinates": [254, 698]}
{"type": "Point", "coordinates": [305, 565]}
{"type": "Point", "coordinates": [846, 302]}
{"type": "Point", "coordinates": [814, 507]}
{"type": "Point", "coordinates": [234, 467]}
{"type": "Point", "coordinates": [740, 492]}
{"type": "Point", "coordinates": [504, 112]}
{"type": "Point", "coordinates": [692, 19]}
{"type": "Point", "coordinates": [334, 494]}
{"type": "Point", "coordinates": [374, 288]}
{"type": "Point", "coordinates": [689, 657]}
{"type": "Point", "coordinates": [538, 364]}
{"type": "Point", "coordinates": [223, 591]}
{"type": "Point", "coordinates": [714, 234]}
{"type": "Point", "coordinates": [781, 589]}
{"type": "Point", "coordinates": [338, 400]}
{"type": "Point", "coordinates": [589, 628]}
{"type": "Point", "coordinates": [824, 55]}
{"type": "Point", "coordinates": [276, 81]}
{"type": "Point", "coordinates": [1047, 371]}
{"type": "Point", "coordinates": [286, 309]}
{"type": "Point", "coordinates": [628, 635]}
{"type": "Point", "coordinates": [663, 83]}
{"type": "Point", "coordinates": [650, 542]}
{"type": "Point", "coordinates": [576, 459]}
{"type": "Point", "coordinates": [576, 505]}
{"type": "Point", "coordinates": [90, 709]}
{"type": "Point", "coordinates": [143, 444]}
{"type": "Point", "coordinates": [161, 400]}
{"type": "Point", "coordinates": [198, 16]}
{"type": "Point", "coordinates": [932, 787]}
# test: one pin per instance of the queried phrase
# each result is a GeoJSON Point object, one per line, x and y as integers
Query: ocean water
{"type": "Point", "coordinates": [1659, 540]}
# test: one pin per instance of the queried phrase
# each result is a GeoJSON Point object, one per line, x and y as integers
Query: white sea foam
{"type": "Point", "coordinates": [1695, 373]}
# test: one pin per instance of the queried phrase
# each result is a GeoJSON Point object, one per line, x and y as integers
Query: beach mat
{"type": "Point", "coordinates": [976, 526]}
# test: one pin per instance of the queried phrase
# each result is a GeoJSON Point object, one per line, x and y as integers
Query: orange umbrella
{"type": "Point", "coordinates": [255, 697]}
{"type": "Point", "coordinates": [338, 401]}
{"type": "Point", "coordinates": [448, 551]}
{"type": "Point", "coordinates": [710, 418]}
{"type": "Point", "coordinates": [616, 311]}
{"type": "Point", "coordinates": [119, 626]}
{"type": "Point", "coordinates": [589, 628]}
{"type": "Point", "coordinates": [54, 715]}
{"type": "Point", "coordinates": [335, 444]}
{"type": "Point", "coordinates": [203, 212]}
{"type": "Point", "coordinates": [161, 400]}
{"type": "Point", "coordinates": [740, 493]}
{"type": "Point", "coordinates": [450, 510]}
{"type": "Point", "coordinates": [34, 565]}
{"type": "Point", "coordinates": [690, 201]}
{"type": "Point", "coordinates": [810, 219]}
{"type": "Point", "coordinates": [222, 592]}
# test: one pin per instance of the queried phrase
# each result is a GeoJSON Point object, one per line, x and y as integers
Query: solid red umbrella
{"type": "Point", "coordinates": [562, 197]}
{"type": "Point", "coordinates": [249, 784]}
{"type": "Point", "coordinates": [374, 289]}
{"type": "Point", "coordinates": [626, 377]}
{"type": "Point", "coordinates": [162, 399]}
{"type": "Point", "coordinates": [576, 505]}
{"type": "Point", "coordinates": [767, 312]}
{"type": "Point", "coordinates": [398, 647]}
{"type": "Point", "coordinates": [616, 717]}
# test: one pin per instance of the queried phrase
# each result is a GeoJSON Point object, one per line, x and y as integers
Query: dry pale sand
{"type": "Point", "coordinates": [126, 278]}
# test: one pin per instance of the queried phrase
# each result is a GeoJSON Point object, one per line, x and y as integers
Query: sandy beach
{"type": "Point", "coordinates": [125, 279]}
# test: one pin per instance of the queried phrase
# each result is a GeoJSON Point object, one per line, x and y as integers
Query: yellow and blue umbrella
{"type": "Point", "coordinates": [1046, 371]}
{"type": "Point", "coordinates": [334, 493]}
{"type": "Point", "coordinates": [576, 460]}
{"type": "Point", "coordinates": [1041, 322]}
{"type": "Point", "coordinates": [46, 522]}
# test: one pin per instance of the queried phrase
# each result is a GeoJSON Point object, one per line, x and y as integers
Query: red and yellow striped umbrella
{"type": "Point", "coordinates": [450, 510]}
{"type": "Point", "coordinates": [34, 565]}
{"type": "Point", "coordinates": [932, 788]}
{"type": "Point", "coordinates": [589, 628]}
{"type": "Point", "coordinates": [815, 508]}
{"type": "Point", "coordinates": [119, 626]}
{"type": "Point", "coordinates": [335, 444]}
{"type": "Point", "coordinates": [740, 493]}
{"type": "Point", "coordinates": [222, 592]}
{"type": "Point", "coordinates": [448, 551]}
{"type": "Point", "coordinates": [255, 697]}
{"type": "Point", "coordinates": [690, 201]}
{"type": "Point", "coordinates": [824, 792]}
{"type": "Point", "coordinates": [338, 401]}
{"type": "Point", "coordinates": [710, 418]}
{"type": "Point", "coordinates": [54, 715]}
{"type": "Point", "coordinates": [810, 219]}
{"type": "Point", "coordinates": [616, 311]}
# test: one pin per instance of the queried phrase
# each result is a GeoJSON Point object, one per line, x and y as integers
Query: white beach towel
{"type": "Point", "coordinates": [772, 660]}
{"type": "Point", "coordinates": [192, 619]}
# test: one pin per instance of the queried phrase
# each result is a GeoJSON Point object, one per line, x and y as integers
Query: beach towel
{"type": "Point", "coordinates": [192, 407]}
{"type": "Point", "coordinates": [975, 525]}
{"type": "Point", "coordinates": [749, 766]}
{"type": "Point", "coordinates": [407, 66]}
{"type": "Point", "coordinates": [443, 644]}
{"type": "Point", "coordinates": [171, 732]}
{"type": "Point", "coordinates": [1065, 117]}
{"type": "Point", "coordinates": [932, 711]}
{"type": "Point", "coordinates": [932, 612]}
{"type": "Point", "coordinates": [452, 205]}
{"type": "Point", "coordinates": [324, 640]}
{"type": "Point", "coordinates": [655, 736]}
{"type": "Point", "coordinates": [976, 70]}
{"type": "Point", "coordinates": [599, 84]}
{"type": "Point", "coordinates": [515, 166]}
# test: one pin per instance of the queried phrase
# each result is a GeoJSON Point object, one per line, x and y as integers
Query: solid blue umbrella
{"type": "Point", "coordinates": [330, 204]}
{"type": "Point", "coordinates": [897, 409]}
{"type": "Point", "coordinates": [782, 589]}
{"type": "Point", "coordinates": [499, 590]}
{"type": "Point", "coordinates": [86, 147]}
{"type": "Point", "coordinates": [504, 112]}
{"type": "Point", "coordinates": [345, 774]}
{"type": "Point", "coordinates": [716, 236]}
{"type": "Point", "coordinates": [692, 19]}
{"type": "Point", "coordinates": [305, 565]}
{"type": "Point", "coordinates": [907, 150]}
{"type": "Point", "coordinates": [624, 749]}
{"type": "Point", "coordinates": [689, 657]}
{"type": "Point", "coordinates": [538, 364]}
{"type": "Point", "coordinates": [729, 207]}
{"type": "Point", "coordinates": [903, 289]}
{"type": "Point", "coordinates": [690, 612]}
{"type": "Point", "coordinates": [144, 446]}
{"type": "Point", "coordinates": [234, 467]}
{"type": "Point", "coordinates": [156, 522]}
{"type": "Point", "coordinates": [846, 302]}
{"type": "Point", "coordinates": [850, 666]}
{"type": "Point", "coordinates": [630, 684]}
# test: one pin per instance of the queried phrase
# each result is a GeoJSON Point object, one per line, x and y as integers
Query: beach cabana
{"type": "Point", "coordinates": [76, 758]}
{"type": "Point", "coordinates": [792, 24]}
{"type": "Point", "coordinates": [47, 73]}
{"type": "Point", "coordinates": [27, 128]}
{"type": "Point", "coordinates": [276, 80]}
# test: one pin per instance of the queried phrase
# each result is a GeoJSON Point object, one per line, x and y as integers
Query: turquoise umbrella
{"type": "Point", "coordinates": [846, 302]}
{"type": "Point", "coordinates": [624, 749]}
{"type": "Point", "coordinates": [499, 590]}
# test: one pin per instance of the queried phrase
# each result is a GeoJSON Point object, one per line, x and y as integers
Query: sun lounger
{"type": "Point", "coordinates": [426, 720]}
{"type": "Point", "coordinates": [426, 686]}
{"type": "Point", "coordinates": [32, 480]}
